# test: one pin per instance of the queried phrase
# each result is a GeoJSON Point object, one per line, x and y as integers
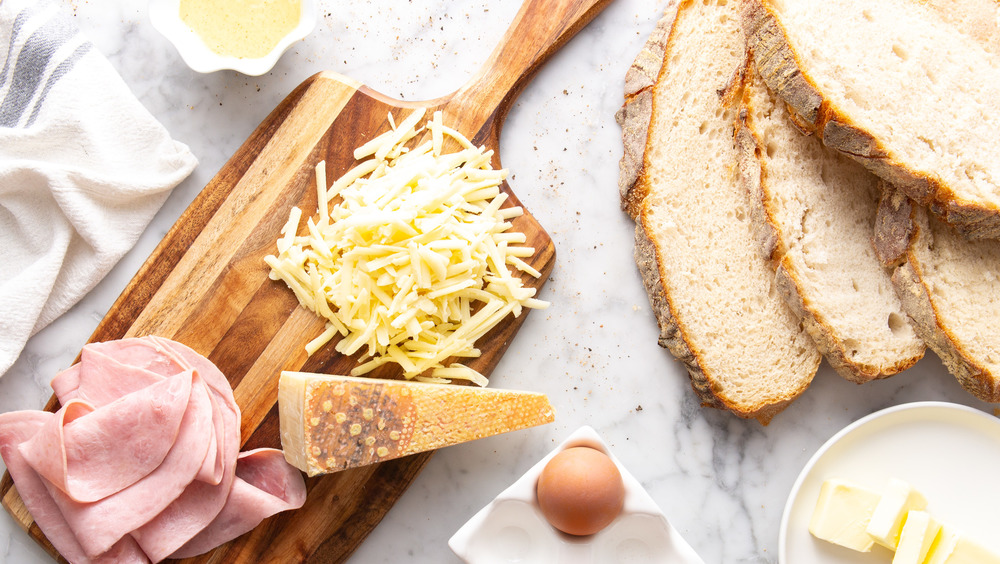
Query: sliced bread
{"type": "Point", "coordinates": [908, 92]}
{"type": "Point", "coordinates": [633, 116]}
{"type": "Point", "coordinates": [978, 19]}
{"type": "Point", "coordinates": [712, 292]}
{"type": "Point", "coordinates": [948, 286]}
{"type": "Point", "coordinates": [814, 213]}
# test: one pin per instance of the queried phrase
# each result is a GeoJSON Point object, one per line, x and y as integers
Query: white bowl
{"type": "Point", "coordinates": [948, 452]}
{"type": "Point", "coordinates": [512, 528]}
{"type": "Point", "coordinates": [165, 17]}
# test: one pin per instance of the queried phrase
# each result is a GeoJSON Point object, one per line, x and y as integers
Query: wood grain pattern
{"type": "Point", "coordinates": [206, 284]}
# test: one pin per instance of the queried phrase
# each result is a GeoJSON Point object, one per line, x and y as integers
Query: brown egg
{"type": "Point", "coordinates": [580, 491]}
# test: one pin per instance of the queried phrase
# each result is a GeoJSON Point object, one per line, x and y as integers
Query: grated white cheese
{"type": "Point", "coordinates": [412, 263]}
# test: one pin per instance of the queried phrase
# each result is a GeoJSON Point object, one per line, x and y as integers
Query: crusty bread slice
{"type": "Point", "coordinates": [633, 116]}
{"type": "Point", "coordinates": [713, 294]}
{"type": "Point", "coordinates": [948, 285]}
{"type": "Point", "coordinates": [979, 19]}
{"type": "Point", "coordinates": [909, 93]}
{"type": "Point", "coordinates": [814, 212]}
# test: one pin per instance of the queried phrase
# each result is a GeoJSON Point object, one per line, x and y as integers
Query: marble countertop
{"type": "Point", "coordinates": [722, 481]}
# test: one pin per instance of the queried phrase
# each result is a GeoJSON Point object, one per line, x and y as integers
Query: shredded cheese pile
{"type": "Point", "coordinates": [414, 261]}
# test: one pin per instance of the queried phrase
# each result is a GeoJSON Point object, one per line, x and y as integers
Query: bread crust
{"type": "Point", "coordinates": [916, 297]}
{"type": "Point", "coordinates": [753, 174]}
{"type": "Point", "coordinates": [673, 338]}
{"type": "Point", "coordinates": [633, 117]}
{"type": "Point", "coordinates": [894, 226]}
{"type": "Point", "coordinates": [636, 112]}
{"type": "Point", "coordinates": [636, 116]}
{"type": "Point", "coordinates": [783, 72]}
{"type": "Point", "coordinates": [671, 335]}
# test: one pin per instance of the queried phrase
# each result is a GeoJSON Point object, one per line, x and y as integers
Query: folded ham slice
{"type": "Point", "coordinates": [106, 379]}
{"type": "Point", "coordinates": [142, 461]}
{"type": "Point", "coordinates": [265, 485]}
{"type": "Point", "coordinates": [201, 503]}
{"type": "Point", "coordinates": [17, 427]}
{"type": "Point", "coordinates": [105, 450]}
{"type": "Point", "coordinates": [101, 523]}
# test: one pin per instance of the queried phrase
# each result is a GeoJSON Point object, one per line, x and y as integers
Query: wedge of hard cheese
{"type": "Point", "coordinates": [330, 423]}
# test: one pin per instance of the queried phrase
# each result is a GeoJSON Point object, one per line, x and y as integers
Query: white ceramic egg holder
{"type": "Point", "coordinates": [512, 528]}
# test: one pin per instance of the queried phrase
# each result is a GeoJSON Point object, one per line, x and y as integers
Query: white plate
{"type": "Point", "coordinates": [165, 17]}
{"type": "Point", "coordinates": [948, 452]}
{"type": "Point", "coordinates": [512, 528]}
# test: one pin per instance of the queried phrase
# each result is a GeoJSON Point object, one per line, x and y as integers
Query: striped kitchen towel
{"type": "Point", "coordinates": [83, 168]}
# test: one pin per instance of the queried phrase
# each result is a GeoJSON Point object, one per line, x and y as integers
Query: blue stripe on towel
{"type": "Point", "coordinates": [15, 32]}
{"type": "Point", "coordinates": [31, 64]}
{"type": "Point", "coordinates": [63, 68]}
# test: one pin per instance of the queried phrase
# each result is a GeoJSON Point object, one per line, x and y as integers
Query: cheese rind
{"type": "Point", "coordinates": [842, 513]}
{"type": "Point", "coordinates": [897, 500]}
{"type": "Point", "coordinates": [330, 423]}
{"type": "Point", "coordinates": [291, 393]}
{"type": "Point", "coordinates": [915, 540]}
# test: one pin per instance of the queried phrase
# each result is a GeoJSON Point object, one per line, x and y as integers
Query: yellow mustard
{"type": "Point", "coordinates": [247, 29]}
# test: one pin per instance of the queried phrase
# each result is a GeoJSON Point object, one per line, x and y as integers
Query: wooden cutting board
{"type": "Point", "coordinates": [206, 284]}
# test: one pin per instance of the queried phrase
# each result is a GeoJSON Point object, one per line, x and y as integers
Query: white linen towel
{"type": "Point", "coordinates": [83, 168]}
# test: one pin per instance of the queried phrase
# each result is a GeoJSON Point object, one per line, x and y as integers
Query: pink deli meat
{"type": "Point", "coordinates": [127, 439]}
{"type": "Point", "coordinates": [163, 419]}
{"type": "Point", "coordinates": [265, 485]}
{"type": "Point", "coordinates": [16, 428]}
{"type": "Point", "coordinates": [101, 523]}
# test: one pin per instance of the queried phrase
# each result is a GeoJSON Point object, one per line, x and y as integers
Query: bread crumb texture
{"type": "Point", "coordinates": [714, 295]}
{"type": "Point", "coordinates": [908, 88]}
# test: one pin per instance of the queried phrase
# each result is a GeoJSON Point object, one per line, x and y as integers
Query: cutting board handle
{"type": "Point", "coordinates": [539, 29]}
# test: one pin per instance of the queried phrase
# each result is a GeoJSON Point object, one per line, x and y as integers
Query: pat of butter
{"type": "Point", "coordinates": [915, 540]}
{"type": "Point", "coordinates": [887, 520]}
{"type": "Point", "coordinates": [842, 513]}
{"type": "Point", "coordinates": [951, 547]}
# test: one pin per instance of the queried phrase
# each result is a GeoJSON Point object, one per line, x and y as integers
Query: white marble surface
{"type": "Point", "coordinates": [722, 481]}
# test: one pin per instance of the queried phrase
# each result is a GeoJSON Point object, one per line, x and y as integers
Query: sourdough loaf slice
{"type": "Point", "coordinates": [633, 116]}
{"type": "Point", "coordinates": [814, 213]}
{"type": "Point", "coordinates": [712, 292]}
{"type": "Point", "coordinates": [979, 19]}
{"type": "Point", "coordinates": [949, 286]}
{"type": "Point", "coordinates": [909, 93]}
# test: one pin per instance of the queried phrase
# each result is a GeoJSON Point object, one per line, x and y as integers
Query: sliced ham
{"type": "Point", "coordinates": [105, 450]}
{"type": "Point", "coordinates": [189, 514]}
{"type": "Point", "coordinates": [265, 485]}
{"type": "Point", "coordinates": [199, 506]}
{"type": "Point", "coordinates": [66, 384]}
{"type": "Point", "coordinates": [182, 520]}
{"type": "Point", "coordinates": [16, 427]}
{"type": "Point", "coordinates": [102, 378]}
{"type": "Point", "coordinates": [136, 352]}
{"type": "Point", "coordinates": [142, 461]}
{"type": "Point", "coordinates": [101, 523]}
{"type": "Point", "coordinates": [227, 412]}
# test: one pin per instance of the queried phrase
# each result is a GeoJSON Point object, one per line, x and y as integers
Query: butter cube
{"type": "Point", "coordinates": [951, 547]}
{"type": "Point", "coordinates": [915, 540]}
{"type": "Point", "coordinates": [842, 513]}
{"type": "Point", "coordinates": [887, 519]}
